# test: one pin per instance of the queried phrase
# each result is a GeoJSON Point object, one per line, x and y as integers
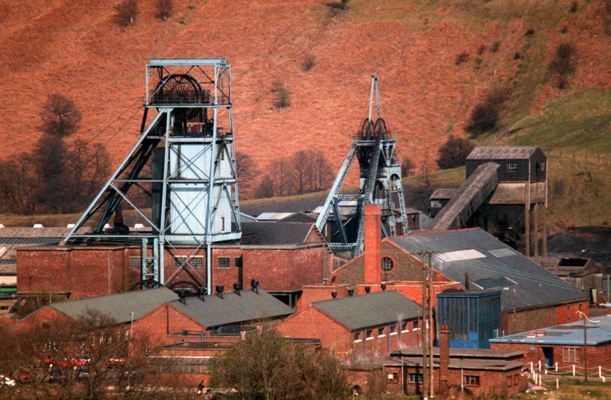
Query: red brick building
{"type": "Point", "coordinates": [562, 346]}
{"type": "Point", "coordinates": [473, 371]}
{"type": "Point", "coordinates": [282, 256]}
{"type": "Point", "coordinates": [353, 327]}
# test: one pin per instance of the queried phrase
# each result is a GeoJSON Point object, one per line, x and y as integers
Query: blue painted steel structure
{"type": "Point", "coordinates": [473, 317]}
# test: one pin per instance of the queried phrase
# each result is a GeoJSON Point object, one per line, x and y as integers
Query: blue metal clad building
{"type": "Point", "coordinates": [473, 317]}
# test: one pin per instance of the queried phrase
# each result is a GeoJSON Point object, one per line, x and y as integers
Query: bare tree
{"type": "Point", "coordinates": [247, 173]}
{"type": "Point", "coordinates": [268, 366]}
{"type": "Point", "coordinates": [308, 171]}
{"type": "Point", "coordinates": [18, 185]}
{"type": "Point", "coordinates": [265, 188]}
{"type": "Point", "coordinates": [60, 116]}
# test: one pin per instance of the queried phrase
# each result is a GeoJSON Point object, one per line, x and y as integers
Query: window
{"type": "Point", "coordinates": [224, 262]}
{"type": "Point", "coordinates": [368, 334]}
{"type": "Point", "coordinates": [135, 262]}
{"type": "Point", "coordinates": [392, 329]}
{"type": "Point", "coordinates": [237, 262]}
{"type": "Point", "coordinates": [472, 380]}
{"type": "Point", "coordinates": [403, 326]}
{"type": "Point", "coordinates": [194, 261]}
{"type": "Point", "coordinates": [387, 264]}
{"type": "Point", "coordinates": [415, 325]}
{"type": "Point", "coordinates": [392, 377]}
{"type": "Point", "coordinates": [570, 354]}
{"type": "Point", "coordinates": [222, 224]}
{"type": "Point", "coordinates": [381, 332]}
{"type": "Point", "coordinates": [357, 336]}
{"type": "Point", "coordinates": [415, 378]}
{"type": "Point", "coordinates": [512, 167]}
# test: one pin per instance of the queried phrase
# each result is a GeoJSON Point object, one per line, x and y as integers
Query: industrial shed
{"type": "Point", "coordinates": [529, 293]}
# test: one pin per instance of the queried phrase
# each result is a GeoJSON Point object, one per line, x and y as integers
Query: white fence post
{"type": "Point", "coordinates": [573, 369]}
{"type": "Point", "coordinates": [600, 371]}
{"type": "Point", "coordinates": [539, 366]}
{"type": "Point", "coordinates": [557, 384]}
{"type": "Point", "coordinates": [556, 366]}
{"type": "Point", "coordinates": [532, 370]}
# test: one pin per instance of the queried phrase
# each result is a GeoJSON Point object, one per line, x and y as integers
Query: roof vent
{"type": "Point", "coordinates": [334, 294]}
{"type": "Point", "coordinates": [254, 285]}
{"type": "Point", "coordinates": [219, 290]}
{"type": "Point", "coordinates": [182, 295]}
{"type": "Point", "coordinates": [236, 288]}
{"type": "Point", "coordinates": [70, 226]}
{"type": "Point", "coordinates": [38, 226]}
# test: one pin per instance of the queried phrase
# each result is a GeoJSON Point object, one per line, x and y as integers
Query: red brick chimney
{"type": "Point", "coordinates": [373, 244]}
{"type": "Point", "coordinates": [444, 356]}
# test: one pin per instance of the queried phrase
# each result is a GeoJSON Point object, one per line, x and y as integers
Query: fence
{"type": "Point", "coordinates": [540, 373]}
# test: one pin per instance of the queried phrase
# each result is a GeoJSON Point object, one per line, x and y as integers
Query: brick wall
{"type": "Point", "coordinates": [597, 355]}
{"type": "Point", "coordinates": [526, 320]}
{"type": "Point", "coordinates": [86, 272]}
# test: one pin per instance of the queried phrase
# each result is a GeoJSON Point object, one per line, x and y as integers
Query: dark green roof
{"type": "Point", "coordinates": [369, 310]}
{"type": "Point", "coordinates": [248, 306]}
{"type": "Point", "coordinates": [118, 306]}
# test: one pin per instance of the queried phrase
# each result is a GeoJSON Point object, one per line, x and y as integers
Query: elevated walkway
{"type": "Point", "coordinates": [468, 198]}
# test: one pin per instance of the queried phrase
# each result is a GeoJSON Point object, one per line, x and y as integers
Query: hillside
{"type": "Point", "coordinates": [75, 48]}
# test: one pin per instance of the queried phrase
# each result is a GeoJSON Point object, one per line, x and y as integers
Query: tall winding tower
{"type": "Point", "coordinates": [341, 219]}
{"type": "Point", "coordinates": [179, 179]}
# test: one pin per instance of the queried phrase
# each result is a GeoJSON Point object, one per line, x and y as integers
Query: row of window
{"type": "Point", "coordinates": [194, 261]}
{"type": "Point", "coordinates": [468, 380]}
{"type": "Point", "coordinates": [392, 328]}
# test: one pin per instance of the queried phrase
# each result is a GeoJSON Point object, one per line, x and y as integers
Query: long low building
{"type": "Point", "coordinates": [562, 346]}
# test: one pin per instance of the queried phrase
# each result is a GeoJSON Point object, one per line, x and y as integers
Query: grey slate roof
{"type": "Point", "coordinates": [270, 233]}
{"type": "Point", "coordinates": [232, 308]}
{"type": "Point", "coordinates": [369, 310]}
{"type": "Point", "coordinates": [565, 334]}
{"type": "Point", "coordinates": [488, 260]}
{"type": "Point", "coordinates": [501, 152]}
{"type": "Point", "coordinates": [299, 203]}
{"type": "Point", "coordinates": [118, 306]}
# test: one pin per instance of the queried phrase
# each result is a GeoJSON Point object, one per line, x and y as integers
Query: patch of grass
{"type": "Point", "coordinates": [579, 121]}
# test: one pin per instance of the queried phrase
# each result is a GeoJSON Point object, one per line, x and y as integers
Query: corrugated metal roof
{"type": "Point", "coordinates": [118, 306]}
{"type": "Point", "coordinates": [565, 334]}
{"type": "Point", "coordinates": [501, 152]}
{"type": "Point", "coordinates": [467, 198]}
{"type": "Point", "coordinates": [534, 285]}
{"type": "Point", "coordinates": [273, 216]}
{"type": "Point", "coordinates": [233, 308]}
{"type": "Point", "coordinates": [369, 310]}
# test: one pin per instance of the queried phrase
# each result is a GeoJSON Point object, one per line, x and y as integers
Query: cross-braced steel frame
{"type": "Point", "coordinates": [191, 101]}
{"type": "Point", "coordinates": [341, 219]}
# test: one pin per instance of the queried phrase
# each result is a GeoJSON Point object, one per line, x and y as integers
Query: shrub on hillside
{"type": "Point", "coordinates": [126, 12]}
{"type": "Point", "coordinates": [308, 63]}
{"type": "Point", "coordinates": [461, 58]}
{"type": "Point", "coordinates": [495, 46]}
{"type": "Point", "coordinates": [282, 96]}
{"type": "Point", "coordinates": [562, 63]}
{"type": "Point", "coordinates": [485, 115]}
{"type": "Point", "coordinates": [454, 152]}
{"type": "Point", "coordinates": [337, 5]}
{"type": "Point", "coordinates": [164, 9]}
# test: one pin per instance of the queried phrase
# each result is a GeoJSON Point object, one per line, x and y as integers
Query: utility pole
{"type": "Point", "coordinates": [585, 342]}
{"type": "Point", "coordinates": [427, 329]}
